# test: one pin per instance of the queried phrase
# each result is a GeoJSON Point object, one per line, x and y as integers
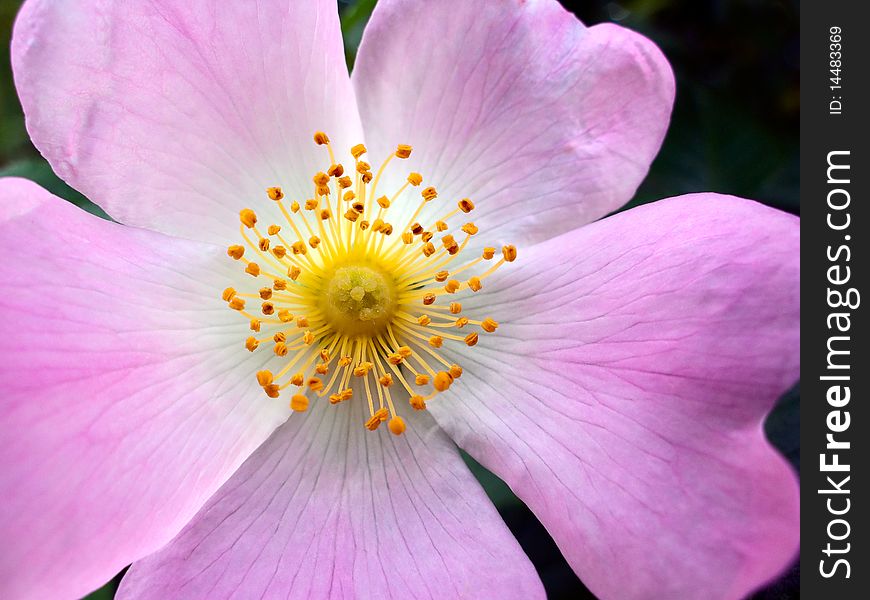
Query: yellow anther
{"type": "Point", "coordinates": [407, 238]}
{"type": "Point", "coordinates": [268, 308]}
{"type": "Point", "coordinates": [320, 178]}
{"type": "Point", "coordinates": [298, 379]}
{"type": "Point", "coordinates": [455, 308]}
{"type": "Point", "coordinates": [312, 203]}
{"type": "Point", "coordinates": [362, 369]}
{"type": "Point", "coordinates": [351, 215]}
{"type": "Point", "coordinates": [426, 236]}
{"type": "Point", "coordinates": [436, 341]}
{"type": "Point", "coordinates": [461, 322]}
{"type": "Point", "coordinates": [320, 138]}
{"type": "Point", "coordinates": [452, 286]}
{"type": "Point", "coordinates": [248, 217]}
{"type": "Point", "coordinates": [448, 240]}
{"type": "Point", "coordinates": [324, 355]}
{"type": "Point", "coordinates": [279, 251]}
{"type": "Point", "coordinates": [314, 241]}
{"type": "Point", "coordinates": [403, 151]}
{"type": "Point", "coordinates": [429, 299]}
{"type": "Point", "coordinates": [384, 202]}
{"type": "Point", "coordinates": [417, 402]}
{"type": "Point", "coordinates": [428, 249]}
{"type": "Point", "coordinates": [471, 338]}
{"type": "Point", "coordinates": [395, 358]}
{"type": "Point", "coordinates": [285, 315]}
{"type": "Point", "coordinates": [273, 229]}
{"type": "Point", "coordinates": [396, 425]}
{"type": "Point", "coordinates": [279, 337]}
{"type": "Point", "coordinates": [509, 252]}
{"type": "Point", "coordinates": [488, 253]}
{"type": "Point", "coordinates": [294, 207]}
{"type": "Point", "coordinates": [405, 351]}
{"type": "Point", "coordinates": [325, 214]}
{"type": "Point", "coordinates": [363, 167]}
{"type": "Point", "coordinates": [466, 205]}
{"type": "Point", "coordinates": [264, 378]}
{"type": "Point", "coordinates": [344, 361]}
{"type": "Point", "coordinates": [265, 293]}
{"type": "Point", "coordinates": [301, 322]}
{"type": "Point", "coordinates": [489, 325]}
{"type": "Point", "coordinates": [415, 179]}
{"type": "Point", "coordinates": [442, 381]}
{"type": "Point", "coordinates": [455, 371]}
{"type": "Point", "coordinates": [253, 269]}
{"type": "Point", "coordinates": [281, 349]}
{"type": "Point", "coordinates": [254, 324]}
{"type": "Point", "coordinates": [272, 390]}
{"type": "Point", "coordinates": [228, 294]}
{"type": "Point", "coordinates": [387, 229]}
{"type": "Point", "coordinates": [421, 379]}
{"type": "Point", "coordinates": [307, 338]}
{"type": "Point", "coordinates": [293, 272]}
{"type": "Point", "coordinates": [279, 285]}
{"type": "Point", "coordinates": [377, 225]}
{"type": "Point", "coordinates": [358, 150]}
{"type": "Point", "coordinates": [386, 380]}
{"type": "Point", "coordinates": [429, 193]}
{"type": "Point", "coordinates": [442, 276]}
{"type": "Point", "coordinates": [299, 248]}
{"type": "Point", "coordinates": [322, 369]}
{"type": "Point", "coordinates": [424, 320]}
{"type": "Point", "coordinates": [344, 182]}
{"type": "Point", "coordinates": [251, 343]}
{"type": "Point", "coordinates": [470, 228]}
{"type": "Point", "coordinates": [237, 303]}
{"type": "Point", "coordinates": [236, 251]}
{"type": "Point", "coordinates": [440, 225]}
{"type": "Point", "coordinates": [315, 384]}
{"type": "Point", "coordinates": [299, 402]}
{"type": "Point", "coordinates": [264, 244]}
{"type": "Point", "coordinates": [474, 284]}
{"type": "Point", "coordinates": [275, 193]}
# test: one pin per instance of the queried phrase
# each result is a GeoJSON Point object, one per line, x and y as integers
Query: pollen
{"type": "Point", "coordinates": [361, 287]}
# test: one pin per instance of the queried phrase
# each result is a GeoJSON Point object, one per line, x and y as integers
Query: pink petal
{"type": "Point", "coordinates": [127, 395]}
{"type": "Point", "coordinates": [545, 124]}
{"type": "Point", "coordinates": [328, 509]}
{"type": "Point", "coordinates": [623, 396]}
{"type": "Point", "coordinates": [175, 115]}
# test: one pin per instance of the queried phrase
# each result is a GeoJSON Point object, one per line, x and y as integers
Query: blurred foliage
{"type": "Point", "coordinates": [734, 130]}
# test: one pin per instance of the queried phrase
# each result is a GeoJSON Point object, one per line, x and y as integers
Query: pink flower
{"type": "Point", "coordinates": [620, 394]}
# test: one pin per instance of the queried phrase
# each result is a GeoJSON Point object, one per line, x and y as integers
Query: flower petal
{"type": "Point", "coordinates": [328, 509]}
{"type": "Point", "coordinates": [176, 115]}
{"type": "Point", "coordinates": [127, 396]}
{"type": "Point", "coordinates": [623, 395]}
{"type": "Point", "coordinates": [545, 124]}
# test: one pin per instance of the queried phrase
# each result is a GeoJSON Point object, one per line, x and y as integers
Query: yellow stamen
{"type": "Point", "coordinates": [343, 297]}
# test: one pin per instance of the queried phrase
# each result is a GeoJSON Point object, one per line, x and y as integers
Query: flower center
{"type": "Point", "coordinates": [345, 293]}
{"type": "Point", "coordinates": [359, 300]}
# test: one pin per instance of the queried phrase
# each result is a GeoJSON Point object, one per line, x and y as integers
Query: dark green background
{"type": "Point", "coordinates": [734, 130]}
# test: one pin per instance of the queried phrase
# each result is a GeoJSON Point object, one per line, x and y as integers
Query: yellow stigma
{"type": "Point", "coordinates": [350, 288]}
{"type": "Point", "coordinates": [359, 299]}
